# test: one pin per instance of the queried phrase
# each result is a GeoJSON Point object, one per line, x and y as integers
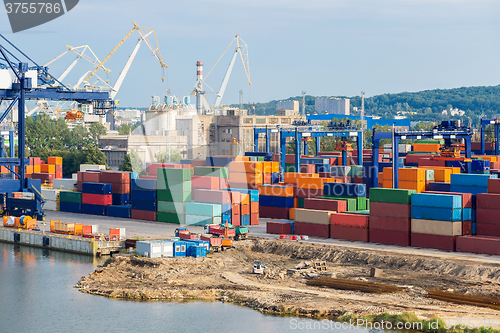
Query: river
{"type": "Point", "coordinates": [37, 294]}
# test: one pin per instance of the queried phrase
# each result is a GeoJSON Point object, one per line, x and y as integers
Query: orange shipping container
{"type": "Point", "coordinates": [245, 209]}
{"type": "Point", "coordinates": [247, 178]}
{"type": "Point", "coordinates": [29, 169]}
{"type": "Point", "coordinates": [275, 167]}
{"type": "Point", "coordinates": [48, 168]}
{"type": "Point", "coordinates": [427, 147]}
{"type": "Point", "coordinates": [235, 197]}
{"type": "Point", "coordinates": [292, 177]}
{"type": "Point", "coordinates": [55, 160]}
{"type": "Point", "coordinates": [37, 169]}
{"type": "Point", "coordinates": [254, 207]}
{"type": "Point", "coordinates": [245, 199]}
{"type": "Point", "coordinates": [246, 167]}
{"type": "Point", "coordinates": [418, 186]}
{"type": "Point", "coordinates": [291, 213]}
{"type": "Point", "coordinates": [314, 183]}
{"type": "Point", "coordinates": [266, 178]}
{"type": "Point", "coordinates": [79, 229]}
{"type": "Point", "coordinates": [276, 191]}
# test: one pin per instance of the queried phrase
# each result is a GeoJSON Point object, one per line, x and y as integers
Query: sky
{"type": "Point", "coordinates": [325, 47]}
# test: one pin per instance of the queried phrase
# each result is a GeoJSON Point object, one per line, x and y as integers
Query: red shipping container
{"type": "Point", "coordinates": [494, 186]}
{"type": "Point", "coordinates": [254, 219]}
{"type": "Point", "coordinates": [79, 176]}
{"type": "Point", "coordinates": [402, 224]}
{"type": "Point", "coordinates": [324, 174]}
{"type": "Point", "coordinates": [487, 229]}
{"type": "Point", "coordinates": [350, 220]}
{"type": "Point", "coordinates": [148, 177]}
{"type": "Point", "coordinates": [97, 199]}
{"type": "Point", "coordinates": [59, 168]}
{"type": "Point", "coordinates": [245, 209]}
{"type": "Point", "coordinates": [79, 186]}
{"type": "Point", "coordinates": [357, 179]}
{"type": "Point", "coordinates": [311, 229]}
{"type": "Point", "coordinates": [235, 209]}
{"type": "Point", "coordinates": [478, 244]}
{"type": "Point", "coordinates": [223, 183]}
{"type": "Point", "coordinates": [467, 227]}
{"type": "Point", "coordinates": [210, 183]}
{"type": "Point", "coordinates": [235, 197]}
{"type": "Point", "coordinates": [266, 178]}
{"type": "Point", "coordinates": [243, 186]}
{"type": "Point", "coordinates": [488, 215]}
{"type": "Point", "coordinates": [274, 212]}
{"type": "Point", "coordinates": [390, 209]}
{"type": "Point", "coordinates": [236, 219]}
{"type": "Point", "coordinates": [211, 196]}
{"type": "Point", "coordinates": [115, 177]}
{"type": "Point", "coordinates": [278, 228]}
{"type": "Point", "coordinates": [309, 193]}
{"type": "Point", "coordinates": [59, 175]}
{"type": "Point", "coordinates": [254, 207]}
{"type": "Point", "coordinates": [389, 237]}
{"type": "Point", "coordinates": [91, 177]}
{"type": "Point", "coordinates": [488, 201]}
{"type": "Point", "coordinates": [325, 204]}
{"type": "Point", "coordinates": [34, 160]}
{"type": "Point", "coordinates": [307, 168]}
{"type": "Point", "coordinates": [348, 233]}
{"type": "Point", "coordinates": [87, 229]}
{"type": "Point", "coordinates": [46, 178]}
{"type": "Point", "coordinates": [114, 234]}
{"type": "Point", "coordinates": [119, 188]}
{"type": "Point", "coordinates": [143, 215]}
{"type": "Point", "coordinates": [433, 241]}
{"type": "Point", "coordinates": [466, 197]}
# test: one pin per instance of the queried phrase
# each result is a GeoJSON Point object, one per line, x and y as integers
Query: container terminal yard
{"type": "Point", "coordinates": [409, 226]}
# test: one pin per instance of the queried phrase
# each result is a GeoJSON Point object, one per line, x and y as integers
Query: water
{"type": "Point", "coordinates": [37, 295]}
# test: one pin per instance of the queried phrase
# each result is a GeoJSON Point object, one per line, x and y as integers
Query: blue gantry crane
{"type": "Point", "coordinates": [20, 82]}
{"type": "Point", "coordinates": [496, 126]}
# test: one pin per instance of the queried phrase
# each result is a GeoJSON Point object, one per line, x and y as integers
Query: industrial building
{"type": "Point", "coordinates": [332, 105]}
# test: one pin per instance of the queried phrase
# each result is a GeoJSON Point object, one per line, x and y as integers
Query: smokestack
{"type": "Point", "coordinates": [199, 87]}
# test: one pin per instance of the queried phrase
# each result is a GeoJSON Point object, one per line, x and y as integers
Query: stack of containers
{"type": "Point", "coordinates": [57, 161]}
{"type": "Point", "coordinates": [311, 187]}
{"type": "Point", "coordinates": [52, 199]}
{"type": "Point", "coordinates": [249, 207]}
{"type": "Point", "coordinates": [70, 201]}
{"type": "Point", "coordinates": [221, 198]}
{"type": "Point", "coordinates": [436, 220]}
{"type": "Point", "coordinates": [198, 213]}
{"type": "Point", "coordinates": [87, 177]}
{"type": "Point", "coordinates": [354, 194]}
{"type": "Point", "coordinates": [390, 216]}
{"type": "Point", "coordinates": [174, 190]}
{"type": "Point", "coordinates": [219, 172]}
{"type": "Point", "coordinates": [143, 197]}
{"type": "Point", "coordinates": [409, 178]}
{"type": "Point", "coordinates": [312, 222]}
{"type": "Point", "coordinates": [467, 217]}
{"type": "Point", "coordinates": [95, 198]}
{"type": "Point", "coordinates": [246, 174]}
{"type": "Point", "coordinates": [488, 210]}
{"type": "Point", "coordinates": [120, 185]}
{"type": "Point", "coordinates": [276, 191]}
{"type": "Point", "coordinates": [352, 227]}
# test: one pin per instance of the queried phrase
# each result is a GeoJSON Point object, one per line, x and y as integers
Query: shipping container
{"type": "Point", "coordinates": [433, 241]}
{"type": "Point", "coordinates": [389, 237]}
{"type": "Point", "coordinates": [349, 233]}
{"type": "Point", "coordinates": [146, 215]}
{"type": "Point", "coordinates": [96, 188]}
{"type": "Point", "coordinates": [478, 244]}
{"type": "Point", "coordinates": [312, 229]}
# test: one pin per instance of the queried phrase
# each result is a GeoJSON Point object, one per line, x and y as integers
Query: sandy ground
{"type": "Point", "coordinates": [283, 289]}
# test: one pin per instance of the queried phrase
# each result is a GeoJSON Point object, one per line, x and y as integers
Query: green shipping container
{"type": "Point", "coordinates": [392, 195]}
{"type": "Point", "coordinates": [362, 212]}
{"type": "Point", "coordinates": [359, 202]}
{"type": "Point", "coordinates": [301, 202]}
{"type": "Point", "coordinates": [368, 204]}
{"type": "Point", "coordinates": [71, 196]}
{"type": "Point", "coordinates": [202, 220]}
{"type": "Point", "coordinates": [289, 167]}
{"type": "Point", "coordinates": [260, 158]}
{"type": "Point", "coordinates": [203, 209]}
{"type": "Point", "coordinates": [164, 195]}
{"type": "Point", "coordinates": [173, 174]}
{"type": "Point", "coordinates": [174, 185]}
{"type": "Point", "coordinates": [171, 218]}
{"type": "Point", "coordinates": [220, 172]}
{"type": "Point", "coordinates": [171, 207]}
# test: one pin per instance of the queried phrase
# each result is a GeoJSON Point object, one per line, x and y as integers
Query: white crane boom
{"type": "Point", "coordinates": [225, 80]}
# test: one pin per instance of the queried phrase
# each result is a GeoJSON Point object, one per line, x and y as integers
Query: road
{"type": "Point", "coordinates": [160, 230]}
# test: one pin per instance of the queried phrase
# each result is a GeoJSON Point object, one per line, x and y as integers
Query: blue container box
{"type": "Point", "coordinates": [275, 178]}
{"type": "Point", "coordinates": [94, 209]}
{"type": "Point", "coordinates": [71, 207]}
{"type": "Point", "coordinates": [271, 201]}
{"type": "Point", "coordinates": [198, 242]}
{"type": "Point", "coordinates": [96, 188]}
{"type": "Point", "coordinates": [143, 195]}
{"type": "Point", "coordinates": [144, 184]}
{"type": "Point", "coordinates": [437, 214]}
{"type": "Point", "coordinates": [218, 161]}
{"type": "Point", "coordinates": [474, 228]}
{"type": "Point", "coordinates": [323, 168]}
{"type": "Point", "coordinates": [440, 187]}
{"type": "Point", "coordinates": [466, 214]}
{"type": "Point", "coordinates": [474, 190]}
{"type": "Point", "coordinates": [144, 205]}
{"type": "Point", "coordinates": [118, 211]}
{"type": "Point", "coordinates": [436, 200]}
{"type": "Point", "coordinates": [464, 179]}
{"type": "Point", "coordinates": [480, 165]}
{"type": "Point", "coordinates": [179, 249]}
{"type": "Point", "coordinates": [226, 209]}
{"type": "Point", "coordinates": [254, 194]}
{"type": "Point", "coordinates": [121, 199]}
{"type": "Point", "coordinates": [226, 219]}
{"type": "Point", "coordinates": [245, 219]}
{"type": "Point", "coordinates": [473, 218]}
{"type": "Point", "coordinates": [345, 190]}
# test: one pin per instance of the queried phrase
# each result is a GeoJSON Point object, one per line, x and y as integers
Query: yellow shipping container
{"type": "Point", "coordinates": [408, 185]}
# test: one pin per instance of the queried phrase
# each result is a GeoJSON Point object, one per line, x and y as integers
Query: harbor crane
{"type": "Point", "coordinates": [241, 50]}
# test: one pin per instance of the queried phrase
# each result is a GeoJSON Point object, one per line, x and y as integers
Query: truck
{"type": "Point", "coordinates": [222, 231]}
{"type": "Point", "coordinates": [236, 232]}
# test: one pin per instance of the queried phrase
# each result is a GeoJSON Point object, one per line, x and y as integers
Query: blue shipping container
{"type": "Point", "coordinates": [226, 219]}
{"type": "Point", "coordinates": [143, 195]}
{"type": "Point", "coordinates": [272, 201]}
{"type": "Point", "coordinates": [179, 249]}
{"type": "Point", "coordinates": [94, 209]}
{"type": "Point", "coordinates": [144, 205]}
{"type": "Point", "coordinates": [436, 200]}
{"type": "Point", "coordinates": [121, 199]}
{"type": "Point", "coordinates": [474, 190]}
{"type": "Point", "coordinates": [226, 208]}
{"type": "Point", "coordinates": [275, 178]}
{"type": "Point", "coordinates": [245, 219]}
{"type": "Point", "coordinates": [71, 207]}
{"type": "Point", "coordinates": [464, 179]}
{"type": "Point", "coordinates": [474, 228]}
{"type": "Point", "coordinates": [345, 190]}
{"type": "Point", "coordinates": [467, 214]}
{"type": "Point", "coordinates": [144, 184]}
{"type": "Point", "coordinates": [439, 187]}
{"type": "Point", "coordinates": [322, 168]}
{"type": "Point", "coordinates": [436, 214]}
{"type": "Point", "coordinates": [96, 188]}
{"type": "Point", "coordinates": [118, 211]}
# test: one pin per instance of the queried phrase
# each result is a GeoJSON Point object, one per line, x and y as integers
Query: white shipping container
{"type": "Point", "coordinates": [95, 229]}
{"type": "Point", "coordinates": [87, 167]}
{"type": "Point", "coordinates": [50, 194]}
{"type": "Point", "coordinates": [74, 176]}
{"type": "Point", "coordinates": [50, 205]}
{"type": "Point", "coordinates": [122, 233]}
{"type": "Point", "coordinates": [64, 184]}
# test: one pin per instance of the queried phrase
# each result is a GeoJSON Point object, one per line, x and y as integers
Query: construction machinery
{"type": "Point", "coordinates": [236, 232]}
{"type": "Point", "coordinates": [258, 267]}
